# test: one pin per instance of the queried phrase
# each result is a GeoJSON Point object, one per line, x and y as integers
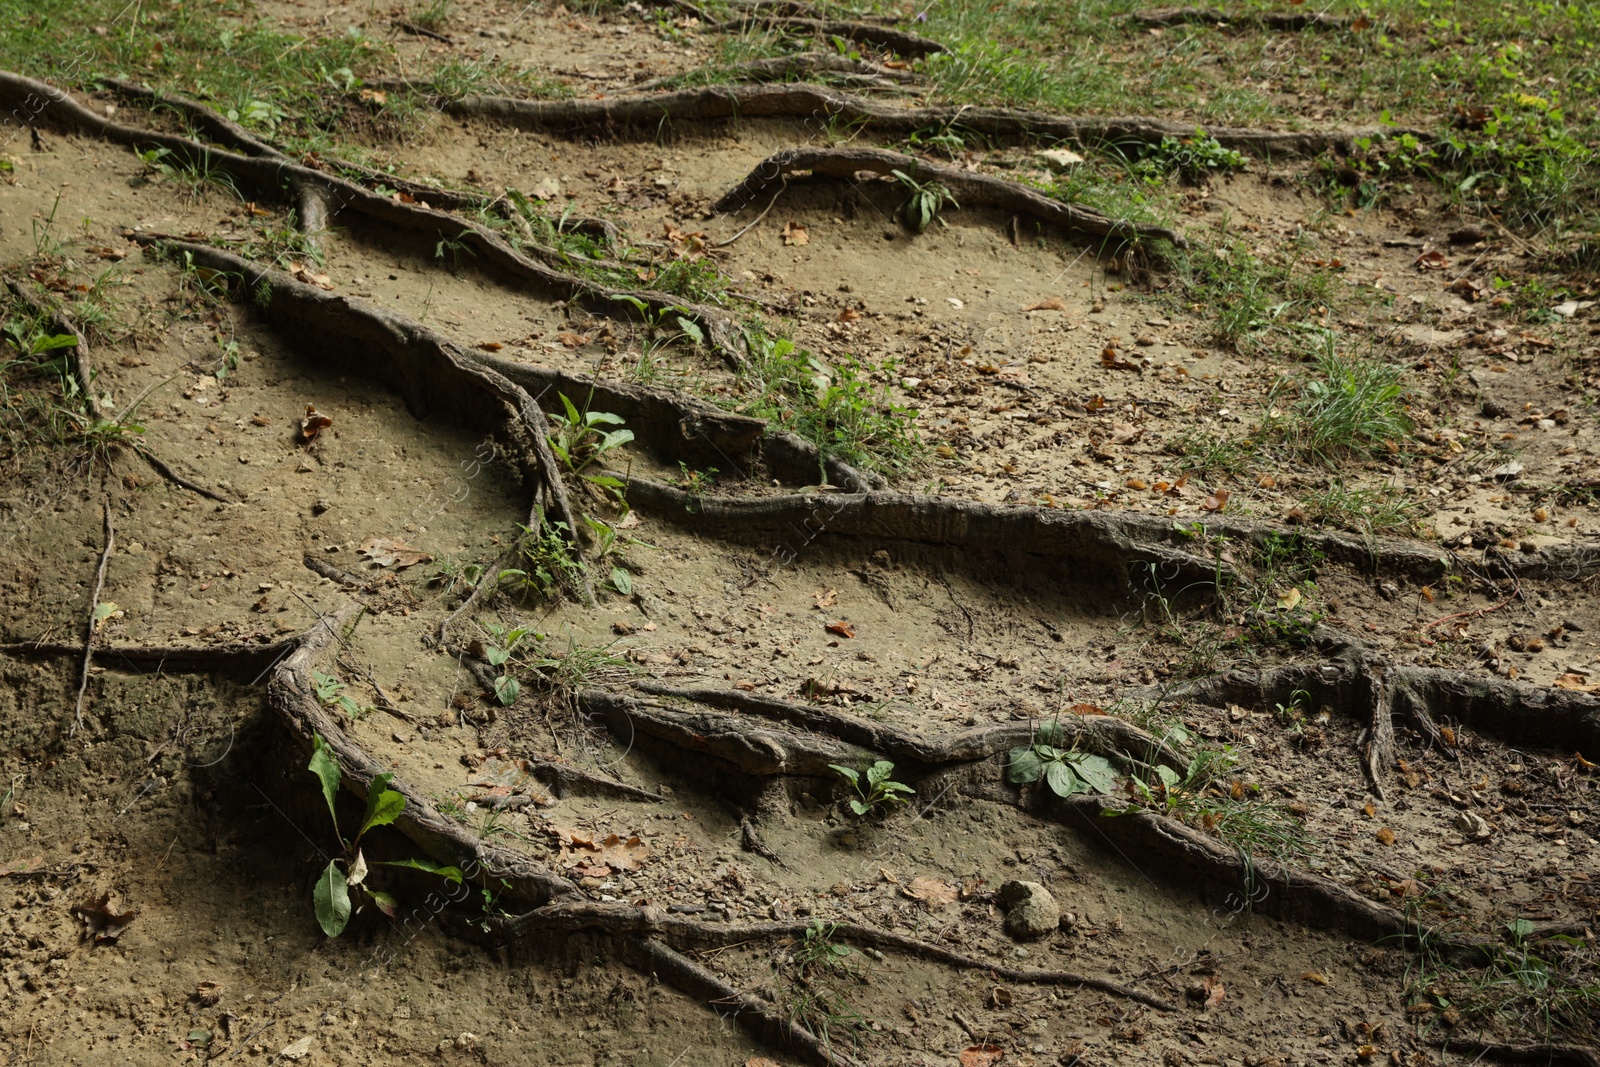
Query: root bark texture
{"type": "Point", "coordinates": [969, 189]}
{"type": "Point", "coordinates": [817, 107]}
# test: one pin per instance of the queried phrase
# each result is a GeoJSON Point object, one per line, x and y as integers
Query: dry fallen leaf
{"type": "Point", "coordinates": [1578, 683]}
{"type": "Point", "coordinates": [300, 272]}
{"type": "Point", "coordinates": [1054, 303]}
{"type": "Point", "coordinates": [842, 628]}
{"type": "Point", "coordinates": [1434, 260]}
{"type": "Point", "coordinates": [1385, 836]}
{"type": "Point", "coordinates": [572, 340]}
{"type": "Point", "coordinates": [1216, 501]}
{"type": "Point", "coordinates": [1314, 976]}
{"type": "Point", "coordinates": [826, 598]}
{"type": "Point", "coordinates": [314, 423]}
{"type": "Point", "coordinates": [22, 866]}
{"type": "Point", "coordinates": [1086, 709]}
{"type": "Point", "coordinates": [981, 1056]}
{"type": "Point", "coordinates": [795, 234]}
{"type": "Point", "coordinates": [392, 552]}
{"type": "Point", "coordinates": [932, 891]}
{"type": "Point", "coordinates": [103, 919]}
{"type": "Point", "coordinates": [490, 346]}
{"type": "Point", "coordinates": [1290, 599]}
{"type": "Point", "coordinates": [1214, 991]}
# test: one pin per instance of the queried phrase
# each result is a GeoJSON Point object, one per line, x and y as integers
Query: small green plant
{"type": "Point", "coordinates": [348, 871]}
{"type": "Point", "coordinates": [873, 787]}
{"type": "Point", "coordinates": [1191, 157]}
{"type": "Point", "coordinates": [1065, 771]}
{"type": "Point", "coordinates": [1355, 407]}
{"type": "Point", "coordinates": [331, 693]}
{"type": "Point", "coordinates": [44, 242]}
{"type": "Point", "coordinates": [452, 249]}
{"type": "Point", "coordinates": [547, 563]}
{"type": "Point", "coordinates": [498, 650]}
{"type": "Point", "coordinates": [662, 328]}
{"type": "Point", "coordinates": [811, 977]}
{"type": "Point", "coordinates": [695, 482]}
{"type": "Point", "coordinates": [581, 440]}
{"type": "Point", "coordinates": [927, 199]}
{"type": "Point", "coordinates": [431, 15]}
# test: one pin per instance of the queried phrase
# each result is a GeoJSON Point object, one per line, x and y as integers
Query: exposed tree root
{"type": "Point", "coordinates": [1095, 545]}
{"type": "Point", "coordinates": [855, 72]}
{"type": "Point", "coordinates": [284, 179]}
{"type": "Point", "coordinates": [686, 933]}
{"type": "Point", "coordinates": [421, 31]}
{"type": "Point", "coordinates": [93, 624]}
{"type": "Point", "coordinates": [766, 1025]}
{"type": "Point", "coordinates": [1547, 1055]}
{"type": "Point", "coordinates": [1105, 734]}
{"type": "Point", "coordinates": [1515, 711]}
{"type": "Point", "coordinates": [574, 779]}
{"type": "Point", "coordinates": [238, 660]}
{"type": "Point", "coordinates": [291, 694]}
{"type": "Point", "coordinates": [198, 117]}
{"type": "Point", "coordinates": [77, 357]}
{"type": "Point", "coordinates": [969, 188]}
{"type": "Point", "coordinates": [817, 106]}
{"type": "Point", "coordinates": [1290, 21]}
{"type": "Point", "coordinates": [431, 373]}
{"type": "Point", "coordinates": [899, 41]}
{"type": "Point", "coordinates": [161, 467]}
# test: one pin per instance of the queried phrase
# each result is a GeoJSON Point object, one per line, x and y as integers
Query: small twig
{"type": "Point", "coordinates": [420, 31]}
{"type": "Point", "coordinates": [89, 629]}
{"type": "Point", "coordinates": [758, 218]}
{"type": "Point", "coordinates": [159, 465]}
{"type": "Point", "coordinates": [1478, 614]}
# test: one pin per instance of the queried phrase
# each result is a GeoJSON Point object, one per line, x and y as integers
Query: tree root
{"type": "Point", "coordinates": [269, 178]}
{"type": "Point", "coordinates": [818, 106]}
{"type": "Point", "coordinates": [239, 660]}
{"type": "Point", "coordinates": [898, 41]}
{"type": "Point", "coordinates": [93, 623]}
{"type": "Point", "coordinates": [853, 72]}
{"type": "Point", "coordinates": [1519, 713]}
{"type": "Point", "coordinates": [1546, 1055]}
{"type": "Point", "coordinates": [969, 189]}
{"type": "Point", "coordinates": [161, 467]}
{"type": "Point", "coordinates": [1084, 541]}
{"type": "Point", "coordinates": [430, 373]}
{"type": "Point", "coordinates": [202, 119]}
{"type": "Point", "coordinates": [1291, 21]}
{"type": "Point", "coordinates": [677, 970]}
{"type": "Point", "coordinates": [1105, 734]}
{"type": "Point", "coordinates": [685, 933]}
{"type": "Point", "coordinates": [291, 694]}
{"type": "Point", "coordinates": [77, 358]}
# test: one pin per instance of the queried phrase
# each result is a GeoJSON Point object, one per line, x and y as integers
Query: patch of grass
{"type": "Point", "coordinates": [839, 406]}
{"type": "Point", "coordinates": [811, 982]}
{"type": "Point", "coordinates": [1352, 406]}
{"type": "Point", "coordinates": [1382, 508]}
{"type": "Point", "coordinates": [431, 14]}
{"type": "Point", "coordinates": [1252, 298]}
{"type": "Point", "coordinates": [1192, 158]}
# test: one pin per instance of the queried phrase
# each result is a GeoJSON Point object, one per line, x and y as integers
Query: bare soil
{"type": "Point", "coordinates": [1030, 564]}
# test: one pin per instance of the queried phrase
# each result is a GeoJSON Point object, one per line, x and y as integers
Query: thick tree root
{"type": "Point", "coordinates": [280, 179]}
{"type": "Point", "coordinates": [1288, 21]}
{"type": "Point", "coordinates": [685, 933]}
{"type": "Point", "coordinates": [237, 660]}
{"type": "Point", "coordinates": [761, 1020]}
{"type": "Point", "coordinates": [161, 467]}
{"type": "Point", "coordinates": [817, 107]}
{"type": "Point", "coordinates": [969, 188]}
{"type": "Point", "coordinates": [291, 694]}
{"type": "Point", "coordinates": [898, 41]}
{"type": "Point", "coordinates": [1517, 712]}
{"type": "Point", "coordinates": [1545, 1055]}
{"type": "Point", "coordinates": [198, 117]}
{"type": "Point", "coordinates": [858, 73]}
{"type": "Point", "coordinates": [431, 373]}
{"type": "Point", "coordinates": [1105, 734]}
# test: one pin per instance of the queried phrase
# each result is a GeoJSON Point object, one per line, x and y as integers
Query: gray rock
{"type": "Point", "coordinates": [1030, 909]}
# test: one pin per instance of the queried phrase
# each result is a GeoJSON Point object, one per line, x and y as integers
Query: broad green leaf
{"type": "Point", "coordinates": [332, 900]}
{"type": "Point", "coordinates": [860, 807]}
{"type": "Point", "coordinates": [1168, 776]}
{"type": "Point", "coordinates": [849, 773]}
{"type": "Point", "coordinates": [692, 330]}
{"type": "Point", "coordinates": [1096, 772]}
{"type": "Point", "coordinates": [879, 772]}
{"type": "Point", "coordinates": [384, 805]}
{"type": "Point", "coordinates": [506, 689]}
{"type": "Point", "coordinates": [622, 580]}
{"type": "Point", "coordinates": [1051, 732]}
{"type": "Point", "coordinates": [325, 767]}
{"type": "Point", "coordinates": [614, 439]}
{"type": "Point", "coordinates": [386, 903]}
{"type": "Point", "coordinates": [1024, 766]}
{"type": "Point", "coordinates": [448, 872]}
{"type": "Point", "coordinates": [1062, 782]}
{"type": "Point", "coordinates": [572, 410]}
{"type": "Point", "coordinates": [497, 656]}
{"type": "Point", "coordinates": [50, 344]}
{"type": "Point", "coordinates": [1519, 928]}
{"type": "Point", "coordinates": [896, 787]}
{"type": "Point", "coordinates": [594, 418]}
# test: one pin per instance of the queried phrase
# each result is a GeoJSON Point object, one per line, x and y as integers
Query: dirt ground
{"type": "Point", "coordinates": [1051, 552]}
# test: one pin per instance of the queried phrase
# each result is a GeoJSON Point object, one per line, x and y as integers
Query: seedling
{"type": "Point", "coordinates": [498, 651]}
{"type": "Point", "coordinates": [1065, 771]}
{"type": "Point", "coordinates": [331, 694]}
{"type": "Point", "coordinates": [873, 788]}
{"type": "Point", "coordinates": [926, 201]}
{"type": "Point", "coordinates": [581, 440]}
{"type": "Point", "coordinates": [348, 871]}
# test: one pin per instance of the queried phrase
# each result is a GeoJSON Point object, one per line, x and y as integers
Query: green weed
{"type": "Point", "coordinates": [874, 787]}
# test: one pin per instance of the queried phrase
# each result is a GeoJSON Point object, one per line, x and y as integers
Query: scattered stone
{"type": "Point", "coordinates": [322, 505]}
{"type": "Point", "coordinates": [1507, 472]}
{"type": "Point", "coordinates": [1030, 909]}
{"type": "Point", "coordinates": [297, 1050]}
{"type": "Point", "coordinates": [1058, 159]}
{"type": "Point", "coordinates": [1473, 825]}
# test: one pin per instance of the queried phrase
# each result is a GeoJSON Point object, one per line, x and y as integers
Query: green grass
{"type": "Point", "coordinates": [1351, 406]}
